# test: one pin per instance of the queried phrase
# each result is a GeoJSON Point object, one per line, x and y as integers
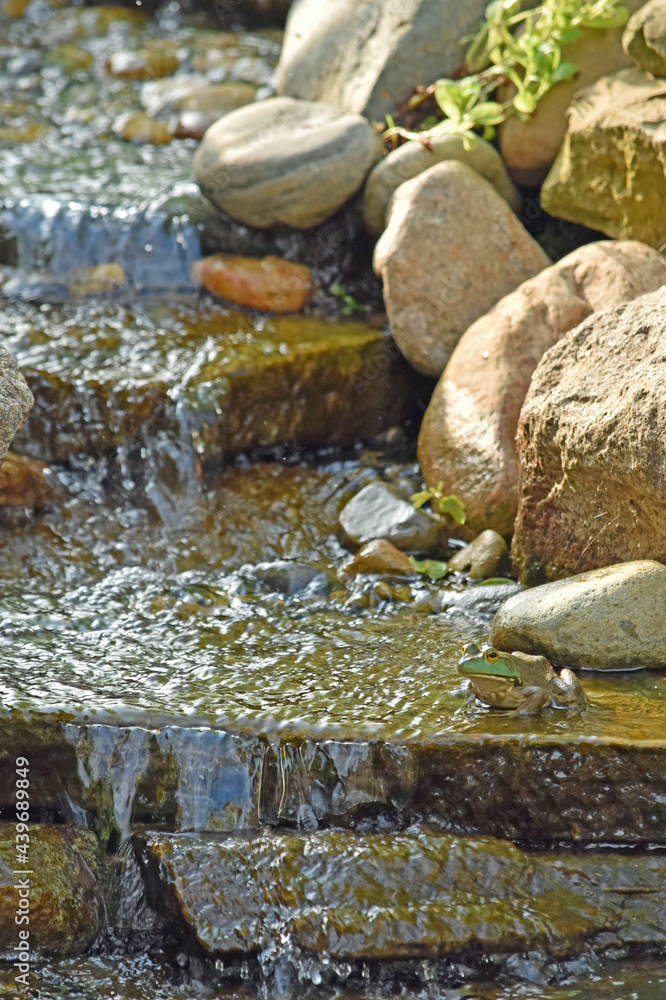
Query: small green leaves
{"type": "Point", "coordinates": [430, 567]}
{"type": "Point", "coordinates": [450, 505]}
{"type": "Point", "coordinates": [530, 59]}
{"type": "Point", "coordinates": [348, 304]}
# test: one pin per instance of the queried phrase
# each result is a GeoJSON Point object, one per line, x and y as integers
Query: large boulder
{"type": "Point", "coordinates": [451, 248]}
{"type": "Point", "coordinates": [592, 446]}
{"type": "Point", "coordinates": [15, 400]}
{"type": "Point", "coordinates": [610, 173]}
{"type": "Point", "coordinates": [285, 162]}
{"type": "Point", "coordinates": [412, 158]}
{"type": "Point", "coordinates": [367, 56]}
{"type": "Point", "coordinates": [644, 39]}
{"type": "Point", "coordinates": [529, 147]}
{"type": "Point", "coordinates": [467, 438]}
{"type": "Point", "coordinates": [606, 619]}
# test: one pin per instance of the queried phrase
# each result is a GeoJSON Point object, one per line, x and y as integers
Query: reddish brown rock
{"type": "Point", "coordinates": [25, 482]}
{"type": "Point", "coordinates": [529, 147]}
{"type": "Point", "coordinates": [268, 283]}
{"type": "Point", "coordinates": [381, 557]}
{"type": "Point", "coordinates": [451, 248]}
{"type": "Point", "coordinates": [467, 439]}
{"type": "Point", "coordinates": [592, 446]}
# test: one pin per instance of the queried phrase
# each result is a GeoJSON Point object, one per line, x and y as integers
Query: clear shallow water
{"type": "Point", "coordinates": [107, 609]}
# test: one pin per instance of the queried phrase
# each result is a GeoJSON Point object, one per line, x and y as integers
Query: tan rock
{"type": "Point", "coordinates": [382, 558]}
{"type": "Point", "coordinates": [592, 446]}
{"type": "Point", "coordinates": [25, 482]}
{"type": "Point", "coordinates": [137, 127]}
{"type": "Point", "coordinates": [412, 158]}
{"type": "Point", "coordinates": [606, 619]}
{"type": "Point", "coordinates": [644, 38]}
{"type": "Point", "coordinates": [269, 283]}
{"type": "Point", "coordinates": [451, 248]}
{"type": "Point", "coordinates": [529, 148]}
{"type": "Point", "coordinates": [143, 64]}
{"type": "Point", "coordinates": [467, 438]}
{"type": "Point", "coordinates": [610, 173]}
{"type": "Point", "coordinates": [481, 558]}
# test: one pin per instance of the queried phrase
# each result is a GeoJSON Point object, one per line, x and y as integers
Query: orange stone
{"type": "Point", "coordinates": [268, 283]}
{"type": "Point", "coordinates": [25, 482]}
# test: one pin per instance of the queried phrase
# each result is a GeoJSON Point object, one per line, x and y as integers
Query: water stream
{"type": "Point", "coordinates": [183, 652]}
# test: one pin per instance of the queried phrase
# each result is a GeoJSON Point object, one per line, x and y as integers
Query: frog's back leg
{"type": "Point", "coordinates": [535, 698]}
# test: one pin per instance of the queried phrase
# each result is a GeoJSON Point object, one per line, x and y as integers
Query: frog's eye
{"type": "Point", "coordinates": [491, 655]}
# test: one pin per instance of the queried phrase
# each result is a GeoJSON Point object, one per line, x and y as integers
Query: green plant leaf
{"type": "Point", "coordinates": [432, 568]}
{"type": "Point", "coordinates": [418, 499]}
{"type": "Point", "coordinates": [452, 506]}
{"type": "Point", "coordinates": [494, 580]}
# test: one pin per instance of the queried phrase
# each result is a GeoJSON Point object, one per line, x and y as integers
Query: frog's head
{"type": "Point", "coordinates": [485, 661]}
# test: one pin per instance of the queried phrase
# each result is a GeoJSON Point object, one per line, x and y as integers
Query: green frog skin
{"type": "Point", "coordinates": [517, 681]}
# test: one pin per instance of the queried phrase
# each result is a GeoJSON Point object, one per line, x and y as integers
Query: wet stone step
{"type": "Point", "coordinates": [522, 787]}
{"type": "Point", "coordinates": [411, 895]}
{"type": "Point", "coordinates": [201, 381]}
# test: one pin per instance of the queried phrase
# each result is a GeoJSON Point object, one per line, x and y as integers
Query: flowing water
{"type": "Point", "coordinates": [182, 648]}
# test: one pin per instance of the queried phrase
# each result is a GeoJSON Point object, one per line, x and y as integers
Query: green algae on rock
{"type": "Point", "coordinates": [112, 377]}
{"type": "Point", "coordinates": [66, 910]}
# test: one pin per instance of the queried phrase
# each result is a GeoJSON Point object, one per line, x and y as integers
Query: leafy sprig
{"type": "Point", "coordinates": [442, 504]}
{"type": "Point", "coordinates": [531, 59]}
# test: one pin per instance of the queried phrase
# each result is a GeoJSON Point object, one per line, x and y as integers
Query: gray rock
{"type": "Point", "coordinates": [591, 445]}
{"type": "Point", "coordinates": [381, 511]}
{"type": "Point", "coordinates": [285, 162]}
{"type": "Point", "coordinates": [412, 158]}
{"type": "Point", "coordinates": [287, 577]}
{"type": "Point", "coordinates": [368, 55]}
{"type": "Point", "coordinates": [483, 599]}
{"type": "Point", "coordinates": [451, 248]}
{"type": "Point", "coordinates": [482, 556]}
{"type": "Point", "coordinates": [644, 38]}
{"type": "Point", "coordinates": [15, 400]}
{"type": "Point", "coordinates": [606, 619]}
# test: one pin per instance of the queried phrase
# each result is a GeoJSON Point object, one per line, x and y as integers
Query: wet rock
{"type": "Point", "coordinates": [591, 446]}
{"type": "Point", "coordinates": [484, 599]}
{"type": "Point", "coordinates": [25, 482]}
{"type": "Point", "coordinates": [214, 377]}
{"type": "Point", "coordinates": [66, 908]}
{"type": "Point", "coordinates": [451, 248]}
{"type": "Point", "coordinates": [76, 24]}
{"type": "Point", "coordinates": [467, 438]}
{"type": "Point", "coordinates": [272, 283]}
{"type": "Point", "coordinates": [93, 280]}
{"type": "Point", "coordinates": [142, 64]}
{"type": "Point", "coordinates": [368, 57]}
{"type": "Point", "coordinates": [15, 400]}
{"type": "Point", "coordinates": [380, 510]}
{"type": "Point", "coordinates": [285, 162]}
{"type": "Point", "coordinates": [134, 126]}
{"type": "Point", "coordinates": [381, 557]}
{"type": "Point", "coordinates": [414, 895]}
{"type": "Point", "coordinates": [412, 158]}
{"type": "Point", "coordinates": [529, 147]}
{"type": "Point", "coordinates": [644, 38]}
{"type": "Point", "coordinates": [610, 174]}
{"type": "Point", "coordinates": [482, 557]}
{"type": "Point", "coordinates": [605, 619]}
{"type": "Point", "coordinates": [286, 577]}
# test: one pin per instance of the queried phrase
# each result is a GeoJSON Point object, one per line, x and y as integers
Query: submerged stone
{"type": "Point", "coordinates": [213, 381]}
{"type": "Point", "coordinates": [418, 895]}
{"type": "Point", "coordinates": [25, 482]}
{"type": "Point", "coordinates": [62, 890]}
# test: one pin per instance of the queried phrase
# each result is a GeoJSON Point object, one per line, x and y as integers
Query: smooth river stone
{"type": "Point", "coordinates": [605, 619]}
{"type": "Point", "coordinates": [269, 283]}
{"type": "Point", "coordinates": [285, 162]}
{"type": "Point", "coordinates": [380, 510]}
{"type": "Point", "coordinates": [451, 248]}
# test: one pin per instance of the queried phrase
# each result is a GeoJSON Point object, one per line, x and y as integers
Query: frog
{"type": "Point", "coordinates": [526, 684]}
